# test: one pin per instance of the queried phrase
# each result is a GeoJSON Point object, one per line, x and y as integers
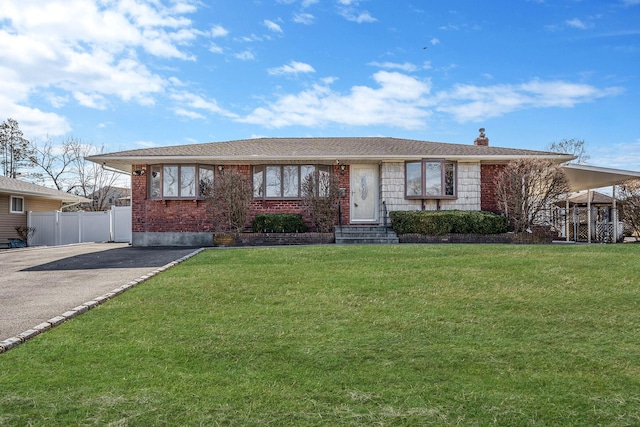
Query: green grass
{"type": "Point", "coordinates": [396, 335]}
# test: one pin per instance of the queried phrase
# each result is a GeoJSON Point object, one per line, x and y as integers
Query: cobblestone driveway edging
{"type": "Point", "coordinates": [15, 341]}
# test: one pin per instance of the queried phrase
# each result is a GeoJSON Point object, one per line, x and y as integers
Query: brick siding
{"type": "Point", "coordinates": [488, 177]}
{"type": "Point", "coordinates": [151, 215]}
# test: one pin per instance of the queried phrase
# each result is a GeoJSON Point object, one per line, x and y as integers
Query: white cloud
{"type": "Point", "coordinates": [56, 101]}
{"type": "Point", "coordinates": [303, 18]}
{"type": "Point", "coordinates": [88, 51]}
{"type": "Point", "coordinates": [403, 101]}
{"type": "Point", "coordinates": [245, 55]}
{"type": "Point", "coordinates": [434, 41]}
{"type": "Point", "coordinates": [467, 103]}
{"type": "Point", "coordinates": [576, 23]}
{"type": "Point", "coordinates": [620, 156]}
{"type": "Point", "coordinates": [197, 102]}
{"type": "Point", "coordinates": [272, 26]}
{"type": "Point", "coordinates": [219, 31]}
{"type": "Point", "coordinates": [398, 101]}
{"type": "Point", "coordinates": [214, 48]}
{"type": "Point", "coordinates": [359, 17]}
{"type": "Point", "coordinates": [348, 10]}
{"type": "Point", "coordinates": [293, 67]}
{"type": "Point", "coordinates": [34, 122]}
{"type": "Point", "coordinates": [183, 112]}
{"type": "Point", "coordinates": [407, 66]}
{"type": "Point", "coordinates": [92, 100]}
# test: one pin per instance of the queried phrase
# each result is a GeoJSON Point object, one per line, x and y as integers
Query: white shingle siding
{"type": "Point", "coordinates": [392, 189]}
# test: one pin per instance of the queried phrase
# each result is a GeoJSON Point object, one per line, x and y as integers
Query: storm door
{"type": "Point", "coordinates": [364, 193]}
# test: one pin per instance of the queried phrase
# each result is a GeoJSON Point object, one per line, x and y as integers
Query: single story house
{"type": "Point", "coordinates": [19, 197]}
{"type": "Point", "coordinates": [106, 197]}
{"type": "Point", "coordinates": [376, 174]}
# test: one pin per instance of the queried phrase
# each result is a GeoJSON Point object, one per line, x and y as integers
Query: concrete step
{"type": "Point", "coordinates": [363, 235]}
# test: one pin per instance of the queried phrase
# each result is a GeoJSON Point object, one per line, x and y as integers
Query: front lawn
{"type": "Point", "coordinates": [396, 335]}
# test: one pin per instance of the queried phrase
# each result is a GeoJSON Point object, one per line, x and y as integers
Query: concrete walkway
{"type": "Point", "coordinates": [38, 284]}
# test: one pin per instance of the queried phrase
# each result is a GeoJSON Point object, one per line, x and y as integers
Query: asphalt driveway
{"type": "Point", "coordinates": [37, 284]}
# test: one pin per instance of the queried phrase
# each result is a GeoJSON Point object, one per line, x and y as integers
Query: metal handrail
{"type": "Point", "coordinates": [384, 213]}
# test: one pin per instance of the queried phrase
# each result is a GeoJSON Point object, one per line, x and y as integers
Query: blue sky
{"type": "Point", "coordinates": [127, 74]}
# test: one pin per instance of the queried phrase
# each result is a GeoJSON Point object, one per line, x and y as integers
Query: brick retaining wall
{"type": "Point", "coordinates": [272, 239]}
{"type": "Point", "coordinates": [506, 238]}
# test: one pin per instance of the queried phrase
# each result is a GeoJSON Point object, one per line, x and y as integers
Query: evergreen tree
{"type": "Point", "coordinates": [15, 150]}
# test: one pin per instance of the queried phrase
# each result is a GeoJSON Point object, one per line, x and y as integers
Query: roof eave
{"type": "Point", "coordinates": [67, 199]}
{"type": "Point", "coordinates": [125, 163]}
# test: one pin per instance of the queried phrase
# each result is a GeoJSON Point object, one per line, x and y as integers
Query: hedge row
{"type": "Point", "coordinates": [437, 223]}
{"type": "Point", "coordinates": [279, 223]}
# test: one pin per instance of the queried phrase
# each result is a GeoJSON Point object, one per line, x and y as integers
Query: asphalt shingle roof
{"type": "Point", "coordinates": [23, 188]}
{"type": "Point", "coordinates": [348, 149]}
{"type": "Point", "coordinates": [315, 147]}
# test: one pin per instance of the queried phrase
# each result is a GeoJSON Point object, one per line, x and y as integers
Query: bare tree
{"type": "Point", "coordinates": [526, 188]}
{"type": "Point", "coordinates": [64, 165]}
{"type": "Point", "coordinates": [15, 149]}
{"type": "Point", "coordinates": [229, 199]}
{"type": "Point", "coordinates": [571, 146]}
{"type": "Point", "coordinates": [629, 193]}
{"type": "Point", "coordinates": [93, 181]}
{"type": "Point", "coordinates": [54, 163]}
{"type": "Point", "coordinates": [321, 191]}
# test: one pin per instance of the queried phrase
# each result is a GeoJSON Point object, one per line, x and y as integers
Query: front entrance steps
{"type": "Point", "coordinates": [365, 235]}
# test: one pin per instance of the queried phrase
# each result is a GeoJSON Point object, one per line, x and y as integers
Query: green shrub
{"type": "Point", "coordinates": [436, 223]}
{"type": "Point", "coordinates": [279, 223]}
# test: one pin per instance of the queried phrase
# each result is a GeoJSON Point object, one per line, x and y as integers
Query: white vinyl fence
{"type": "Point", "coordinates": [64, 228]}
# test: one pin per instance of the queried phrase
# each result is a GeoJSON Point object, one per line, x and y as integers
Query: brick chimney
{"type": "Point", "coordinates": [482, 140]}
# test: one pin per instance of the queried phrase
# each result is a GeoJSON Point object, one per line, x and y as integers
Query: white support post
{"type": "Point", "coordinates": [58, 240]}
{"type": "Point", "coordinates": [567, 223]}
{"type": "Point", "coordinates": [615, 215]}
{"type": "Point", "coordinates": [589, 216]}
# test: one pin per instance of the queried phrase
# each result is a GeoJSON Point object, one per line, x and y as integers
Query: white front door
{"type": "Point", "coordinates": [364, 193]}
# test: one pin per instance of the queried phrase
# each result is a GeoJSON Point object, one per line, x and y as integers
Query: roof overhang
{"type": "Point", "coordinates": [71, 198]}
{"type": "Point", "coordinates": [585, 177]}
{"type": "Point", "coordinates": [125, 163]}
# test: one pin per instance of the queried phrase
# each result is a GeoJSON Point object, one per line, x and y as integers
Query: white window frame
{"type": "Point", "coordinates": [11, 199]}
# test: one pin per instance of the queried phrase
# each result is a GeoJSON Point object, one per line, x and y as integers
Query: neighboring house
{"type": "Point", "coordinates": [106, 197]}
{"type": "Point", "coordinates": [377, 175]}
{"type": "Point", "coordinates": [19, 197]}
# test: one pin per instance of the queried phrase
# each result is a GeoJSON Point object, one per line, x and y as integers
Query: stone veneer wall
{"type": "Point", "coordinates": [392, 190]}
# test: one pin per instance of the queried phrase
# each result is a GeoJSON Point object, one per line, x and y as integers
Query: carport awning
{"type": "Point", "coordinates": [584, 177]}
